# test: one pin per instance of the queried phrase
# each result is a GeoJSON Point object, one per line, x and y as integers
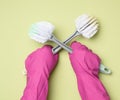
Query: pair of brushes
{"type": "Point", "coordinates": [42, 32]}
{"type": "Point", "coordinates": [86, 26]}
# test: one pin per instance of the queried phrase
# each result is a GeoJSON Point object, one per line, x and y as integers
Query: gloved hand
{"type": "Point", "coordinates": [39, 65]}
{"type": "Point", "coordinates": [86, 64]}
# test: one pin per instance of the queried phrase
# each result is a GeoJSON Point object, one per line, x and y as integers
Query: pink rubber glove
{"type": "Point", "coordinates": [39, 65]}
{"type": "Point", "coordinates": [86, 64]}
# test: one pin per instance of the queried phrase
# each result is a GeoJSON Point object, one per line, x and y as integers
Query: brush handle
{"type": "Point", "coordinates": [62, 45]}
{"type": "Point", "coordinates": [58, 48]}
{"type": "Point", "coordinates": [103, 69]}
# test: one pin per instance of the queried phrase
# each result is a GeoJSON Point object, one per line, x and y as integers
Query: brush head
{"type": "Point", "coordinates": [86, 25]}
{"type": "Point", "coordinates": [41, 31]}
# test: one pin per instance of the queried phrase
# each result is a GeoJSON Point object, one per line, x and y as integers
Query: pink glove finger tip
{"type": "Point", "coordinates": [76, 45]}
{"type": "Point", "coordinates": [49, 47]}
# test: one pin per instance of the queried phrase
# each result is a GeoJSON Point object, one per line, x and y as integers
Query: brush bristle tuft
{"type": "Point", "coordinates": [86, 25]}
{"type": "Point", "coordinates": [41, 31]}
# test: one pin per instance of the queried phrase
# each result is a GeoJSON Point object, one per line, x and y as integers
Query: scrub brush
{"type": "Point", "coordinates": [85, 25]}
{"type": "Point", "coordinates": [42, 32]}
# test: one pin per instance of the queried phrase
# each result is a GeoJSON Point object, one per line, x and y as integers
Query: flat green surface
{"type": "Point", "coordinates": [16, 17]}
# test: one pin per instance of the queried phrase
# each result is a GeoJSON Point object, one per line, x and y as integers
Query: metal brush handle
{"type": "Point", "coordinates": [62, 45]}
{"type": "Point", "coordinates": [58, 48]}
{"type": "Point", "coordinates": [103, 69]}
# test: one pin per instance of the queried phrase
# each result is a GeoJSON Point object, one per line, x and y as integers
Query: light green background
{"type": "Point", "coordinates": [16, 17]}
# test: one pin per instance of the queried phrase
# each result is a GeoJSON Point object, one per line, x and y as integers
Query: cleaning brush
{"type": "Point", "coordinates": [42, 32]}
{"type": "Point", "coordinates": [85, 25]}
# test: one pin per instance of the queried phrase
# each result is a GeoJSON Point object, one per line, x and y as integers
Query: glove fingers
{"type": "Point", "coordinates": [77, 47]}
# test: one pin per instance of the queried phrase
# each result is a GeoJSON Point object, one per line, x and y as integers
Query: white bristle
{"type": "Point", "coordinates": [93, 26]}
{"type": "Point", "coordinates": [91, 32]}
{"type": "Point", "coordinates": [41, 31]}
{"type": "Point", "coordinates": [38, 38]}
{"type": "Point", "coordinates": [80, 20]}
{"type": "Point", "coordinates": [86, 25]}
